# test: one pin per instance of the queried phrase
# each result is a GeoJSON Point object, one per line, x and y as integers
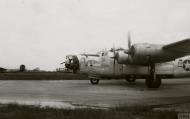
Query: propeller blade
{"type": "Point", "coordinates": [129, 40]}
{"type": "Point", "coordinates": [130, 48]}
{"type": "Point", "coordinates": [114, 58]}
{"type": "Point", "coordinates": [114, 53]}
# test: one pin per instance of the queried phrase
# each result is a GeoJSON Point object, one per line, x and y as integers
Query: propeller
{"type": "Point", "coordinates": [129, 40]}
{"type": "Point", "coordinates": [114, 53]}
{"type": "Point", "coordinates": [114, 58]}
{"type": "Point", "coordinates": [130, 49]}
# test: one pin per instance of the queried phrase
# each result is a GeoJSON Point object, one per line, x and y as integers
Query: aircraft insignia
{"type": "Point", "coordinates": [186, 65]}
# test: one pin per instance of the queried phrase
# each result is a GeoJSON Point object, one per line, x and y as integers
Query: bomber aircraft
{"type": "Point", "coordinates": [140, 61]}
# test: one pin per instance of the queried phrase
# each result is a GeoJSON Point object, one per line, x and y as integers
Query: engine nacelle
{"type": "Point", "coordinates": [123, 58]}
{"type": "Point", "coordinates": [143, 54]}
{"type": "Point", "coordinates": [146, 53]}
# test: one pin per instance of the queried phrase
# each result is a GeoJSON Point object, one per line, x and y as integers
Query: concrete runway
{"type": "Point", "coordinates": [80, 93]}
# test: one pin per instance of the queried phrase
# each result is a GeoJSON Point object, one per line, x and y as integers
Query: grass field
{"type": "Point", "coordinates": [14, 111]}
{"type": "Point", "coordinates": [41, 76]}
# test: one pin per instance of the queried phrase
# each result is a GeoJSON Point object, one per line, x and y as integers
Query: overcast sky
{"type": "Point", "coordinates": [39, 33]}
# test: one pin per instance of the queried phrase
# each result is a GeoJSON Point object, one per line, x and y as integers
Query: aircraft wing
{"type": "Point", "coordinates": [180, 46]}
{"type": "Point", "coordinates": [93, 55]}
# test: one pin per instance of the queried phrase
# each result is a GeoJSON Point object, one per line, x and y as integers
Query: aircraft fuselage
{"type": "Point", "coordinates": [104, 67]}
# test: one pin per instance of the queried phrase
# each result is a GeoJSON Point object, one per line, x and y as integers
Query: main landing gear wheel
{"type": "Point", "coordinates": [131, 80]}
{"type": "Point", "coordinates": [94, 81]}
{"type": "Point", "coordinates": [153, 82]}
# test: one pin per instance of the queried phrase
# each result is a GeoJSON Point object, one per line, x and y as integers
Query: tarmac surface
{"type": "Point", "coordinates": [80, 93]}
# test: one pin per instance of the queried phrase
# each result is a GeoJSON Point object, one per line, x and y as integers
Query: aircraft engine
{"type": "Point", "coordinates": [142, 54]}
{"type": "Point", "coordinates": [122, 58]}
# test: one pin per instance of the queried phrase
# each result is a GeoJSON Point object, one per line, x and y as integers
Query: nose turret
{"type": "Point", "coordinates": [72, 63]}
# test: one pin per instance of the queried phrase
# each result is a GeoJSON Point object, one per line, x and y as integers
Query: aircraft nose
{"type": "Point", "coordinates": [72, 63]}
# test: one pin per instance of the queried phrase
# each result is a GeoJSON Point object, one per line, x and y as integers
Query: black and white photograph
{"type": "Point", "coordinates": [94, 59]}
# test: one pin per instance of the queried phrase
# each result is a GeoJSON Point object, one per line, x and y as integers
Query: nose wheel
{"type": "Point", "coordinates": [94, 81]}
{"type": "Point", "coordinates": [153, 81]}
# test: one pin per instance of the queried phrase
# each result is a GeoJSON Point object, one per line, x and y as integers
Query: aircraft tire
{"type": "Point", "coordinates": [94, 81]}
{"type": "Point", "coordinates": [153, 83]}
{"type": "Point", "coordinates": [131, 80]}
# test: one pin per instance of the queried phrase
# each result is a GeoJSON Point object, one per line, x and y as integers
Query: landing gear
{"type": "Point", "coordinates": [153, 81]}
{"type": "Point", "coordinates": [131, 79]}
{"type": "Point", "coordinates": [94, 81]}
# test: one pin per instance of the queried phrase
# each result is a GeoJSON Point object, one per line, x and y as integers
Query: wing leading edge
{"type": "Point", "coordinates": [180, 46]}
